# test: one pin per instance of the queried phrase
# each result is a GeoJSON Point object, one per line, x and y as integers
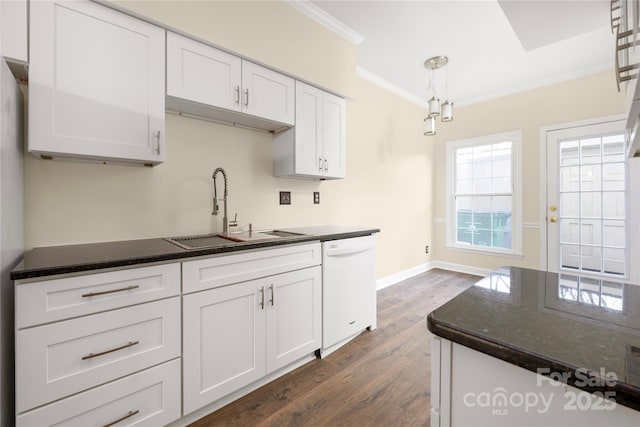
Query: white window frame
{"type": "Point", "coordinates": [516, 198]}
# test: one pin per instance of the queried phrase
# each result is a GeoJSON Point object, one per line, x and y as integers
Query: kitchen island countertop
{"type": "Point", "coordinates": [68, 259]}
{"type": "Point", "coordinates": [552, 323]}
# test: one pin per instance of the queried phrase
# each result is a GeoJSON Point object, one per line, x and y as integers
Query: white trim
{"type": "Point", "coordinates": [489, 252]}
{"type": "Point", "coordinates": [398, 277]}
{"type": "Point", "coordinates": [476, 271]}
{"type": "Point", "coordinates": [328, 21]}
{"type": "Point", "coordinates": [402, 275]}
{"type": "Point", "coordinates": [534, 225]}
{"type": "Point", "coordinates": [440, 220]}
{"type": "Point", "coordinates": [377, 80]}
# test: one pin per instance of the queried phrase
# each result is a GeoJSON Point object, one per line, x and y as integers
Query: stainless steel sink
{"type": "Point", "coordinates": [207, 241]}
{"type": "Point", "coordinates": [203, 241]}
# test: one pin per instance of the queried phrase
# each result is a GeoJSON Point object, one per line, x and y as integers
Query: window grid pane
{"type": "Point", "coordinates": [483, 195]}
{"type": "Point", "coordinates": [592, 204]}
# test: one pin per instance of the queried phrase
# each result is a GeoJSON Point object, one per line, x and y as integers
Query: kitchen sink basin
{"type": "Point", "coordinates": [207, 241]}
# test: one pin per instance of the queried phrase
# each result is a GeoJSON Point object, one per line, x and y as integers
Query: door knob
{"type": "Point", "coordinates": [553, 219]}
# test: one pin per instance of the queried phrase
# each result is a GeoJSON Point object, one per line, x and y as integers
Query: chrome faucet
{"type": "Point", "coordinates": [216, 208]}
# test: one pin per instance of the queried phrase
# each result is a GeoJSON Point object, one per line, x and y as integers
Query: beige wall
{"type": "Point", "coordinates": [395, 175]}
{"type": "Point", "coordinates": [389, 162]}
{"type": "Point", "coordinates": [585, 98]}
{"type": "Point", "coordinates": [269, 32]}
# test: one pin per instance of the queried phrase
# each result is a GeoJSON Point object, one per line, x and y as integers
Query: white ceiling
{"type": "Point", "coordinates": [494, 47]}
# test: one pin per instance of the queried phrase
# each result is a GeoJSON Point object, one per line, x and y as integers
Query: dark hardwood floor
{"type": "Point", "coordinates": [381, 378]}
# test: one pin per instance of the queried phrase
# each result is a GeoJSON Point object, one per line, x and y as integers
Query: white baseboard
{"type": "Point", "coordinates": [402, 275]}
{"type": "Point", "coordinates": [414, 271]}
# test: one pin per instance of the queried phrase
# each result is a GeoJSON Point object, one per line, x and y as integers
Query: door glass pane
{"type": "Point", "coordinates": [591, 232]}
{"type": "Point", "coordinates": [570, 178]}
{"type": "Point", "coordinates": [614, 204]}
{"type": "Point", "coordinates": [613, 233]}
{"type": "Point", "coordinates": [592, 226]}
{"type": "Point", "coordinates": [591, 204]}
{"type": "Point", "coordinates": [570, 205]}
{"type": "Point", "coordinates": [570, 231]}
{"type": "Point", "coordinates": [592, 259]}
{"type": "Point", "coordinates": [613, 176]}
{"type": "Point", "coordinates": [570, 256]}
{"type": "Point", "coordinates": [614, 261]}
{"type": "Point", "coordinates": [590, 178]}
{"type": "Point", "coordinates": [590, 150]}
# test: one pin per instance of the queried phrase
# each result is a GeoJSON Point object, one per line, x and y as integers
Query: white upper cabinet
{"type": "Point", "coordinates": [206, 82]}
{"type": "Point", "coordinates": [267, 94]}
{"type": "Point", "coordinates": [315, 148]}
{"type": "Point", "coordinates": [96, 84]}
{"type": "Point", "coordinates": [200, 73]}
{"type": "Point", "coordinates": [13, 30]}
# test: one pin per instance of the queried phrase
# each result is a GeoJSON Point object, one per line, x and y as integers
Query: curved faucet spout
{"type": "Point", "coordinates": [216, 208]}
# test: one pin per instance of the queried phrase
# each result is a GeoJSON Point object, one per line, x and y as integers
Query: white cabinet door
{"type": "Point", "coordinates": [308, 130]}
{"type": "Point", "coordinates": [63, 358]}
{"type": "Point", "coordinates": [267, 94]}
{"type": "Point", "coordinates": [147, 398]}
{"type": "Point", "coordinates": [294, 316]}
{"type": "Point", "coordinates": [13, 30]}
{"type": "Point", "coordinates": [315, 148]}
{"type": "Point", "coordinates": [201, 73]}
{"type": "Point", "coordinates": [96, 84]}
{"type": "Point", "coordinates": [223, 342]}
{"type": "Point", "coordinates": [333, 136]}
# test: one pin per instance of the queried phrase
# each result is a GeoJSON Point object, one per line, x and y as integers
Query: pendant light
{"type": "Point", "coordinates": [445, 111]}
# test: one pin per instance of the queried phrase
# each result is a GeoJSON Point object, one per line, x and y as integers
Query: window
{"type": "Point", "coordinates": [484, 194]}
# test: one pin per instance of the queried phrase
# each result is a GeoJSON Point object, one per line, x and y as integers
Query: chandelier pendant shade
{"type": "Point", "coordinates": [444, 110]}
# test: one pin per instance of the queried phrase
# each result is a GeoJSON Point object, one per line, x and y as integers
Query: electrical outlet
{"type": "Point", "coordinates": [426, 249]}
{"type": "Point", "coordinates": [316, 197]}
{"type": "Point", "coordinates": [285, 197]}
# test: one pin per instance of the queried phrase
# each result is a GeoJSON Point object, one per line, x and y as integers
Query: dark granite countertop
{"type": "Point", "coordinates": [67, 259]}
{"type": "Point", "coordinates": [563, 323]}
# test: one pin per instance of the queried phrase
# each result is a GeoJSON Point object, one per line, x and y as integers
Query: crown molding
{"type": "Point", "coordinates": [328, 21]}
{"type": "Point", "coordinates": [377, 80]}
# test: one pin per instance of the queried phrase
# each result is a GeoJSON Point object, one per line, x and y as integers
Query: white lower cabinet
{"type": "Point", "coordinates": [237, 334]}
{"type": "Point", "coordinates": [58, 359]}
{"type": "Point", "coordinates": [150, 397]}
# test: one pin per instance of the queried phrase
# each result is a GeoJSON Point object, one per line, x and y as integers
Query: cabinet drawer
{"type": "Point", "coordinates": [224, 270]}
{"type": "Point", "coordinates": [150, 397]}
{"type": "Point", "coordinates": [59, 359]}
{"type": "Point", "coordinates": [51, 300]}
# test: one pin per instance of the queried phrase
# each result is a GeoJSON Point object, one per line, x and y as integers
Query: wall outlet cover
{"type": "Point", "coordinates": [316, 197]}
{"type": "Point", "coordinates": [285, 197]}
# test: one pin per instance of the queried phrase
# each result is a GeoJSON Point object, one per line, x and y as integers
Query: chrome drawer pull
{"type": "Point", "coordinates": [95, 294]}
{"type": "Point", "coordinates": [273, 295]}
{"type": "Point", "coordinates": [129, 414]}
{"type": "Point", "coordinates": [102, 353]}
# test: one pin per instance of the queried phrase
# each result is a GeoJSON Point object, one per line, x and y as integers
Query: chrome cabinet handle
{"type": "Point", "coordinates": [157, 135]}
{"type": "Point", "coordinates": [326, 165]}
{"type": "Point", "coordinates": [246, 97]}
{"type": "Point", "coordinates": [129, 415]}
{"type": "Point", "coordinates": [238, 94]}
{"type": "Point", "coordinates": [320, 164]}
{"type": "Point", "coordinates": [102, 353]}
{"type": "Point", "coordinates": [273, 295]}
{"type": "Point", "coordinates": [262, 298]}
{"type": "Point", "coordinates": [95, 294]}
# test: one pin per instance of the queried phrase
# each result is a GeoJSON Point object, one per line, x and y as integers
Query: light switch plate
{"type": "Point", "coordinates": [285, 197]}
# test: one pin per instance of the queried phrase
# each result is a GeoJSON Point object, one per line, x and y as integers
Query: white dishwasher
{"type": "Point", "coordinates": [348, 288]}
